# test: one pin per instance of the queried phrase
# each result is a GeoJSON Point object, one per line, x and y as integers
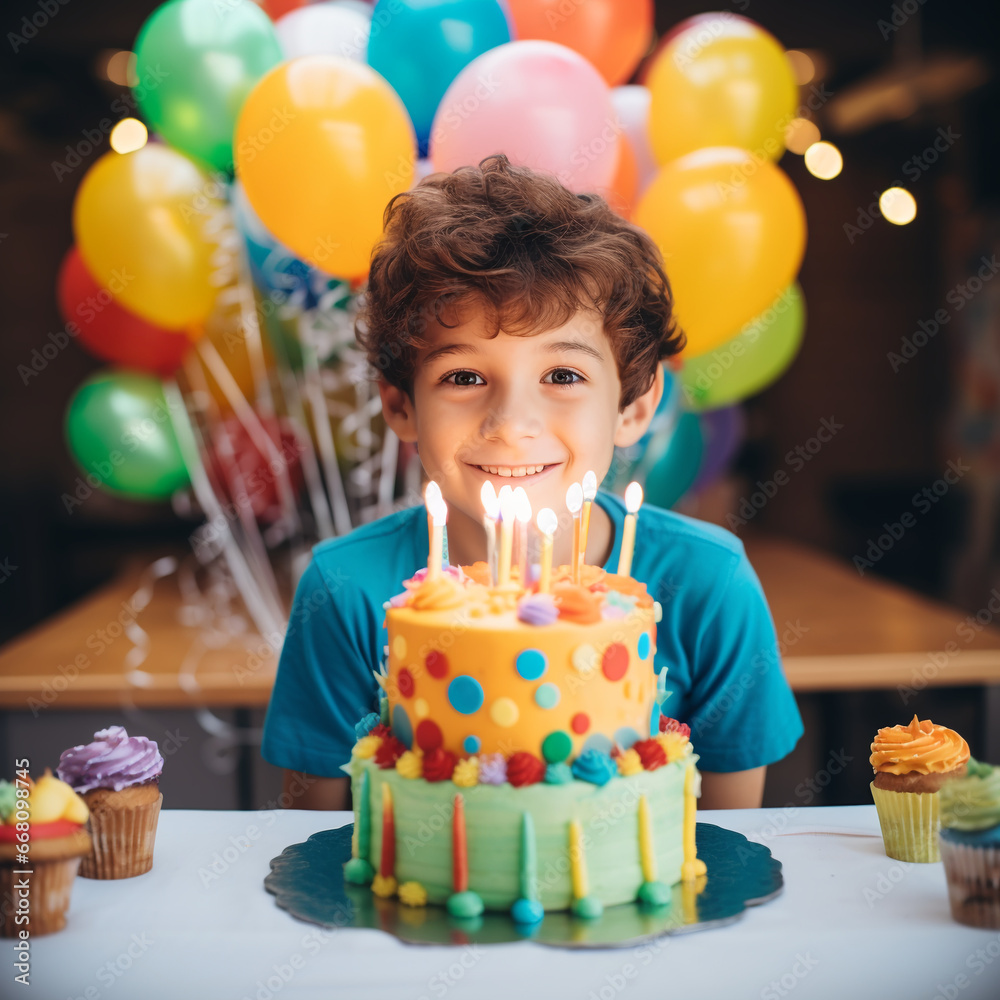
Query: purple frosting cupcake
{"type": "Point", "coordinates": [114, 760]}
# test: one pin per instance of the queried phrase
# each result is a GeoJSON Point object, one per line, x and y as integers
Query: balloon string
{"type": "Point", "coordinates": [251, 335]}
{"type": "Point", "coordinates": [263, 606]}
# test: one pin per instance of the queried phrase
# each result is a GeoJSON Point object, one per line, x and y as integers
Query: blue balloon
{"type": "Point", "coordinates": [421, 46]}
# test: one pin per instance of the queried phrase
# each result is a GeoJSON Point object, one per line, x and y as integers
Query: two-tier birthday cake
{"type": "Point", "coordinates": [520, 760]}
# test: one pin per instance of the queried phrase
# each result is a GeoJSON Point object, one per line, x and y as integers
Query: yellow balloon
{"type": "Point", "coordinates": [144, 224]}
{"type": "Point", "coordinates": [721, 81]}
{"type": "Point", "coordinates": [322, 144]}
{"type": "Point", "coordinates": [732, 232]}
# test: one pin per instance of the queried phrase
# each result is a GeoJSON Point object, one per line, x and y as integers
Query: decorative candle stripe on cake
{"type": "Point", "coordinates": [384, 883]}
{"type": "Point", "coordinates": [584, 905]}
{"type": "Point", "coordinates": [463, 902]}
{"type": "Point", "coordinates": [527, 909]}
{"type": "Point", "coordinates": [359, 870]}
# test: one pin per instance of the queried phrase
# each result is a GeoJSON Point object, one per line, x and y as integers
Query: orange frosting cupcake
{"type": "Point", "coordinates": [918, 756]}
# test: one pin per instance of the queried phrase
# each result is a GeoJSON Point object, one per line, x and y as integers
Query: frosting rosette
{"type": "Point", "coordinates": [113, 760]}
{"type": "Point", "coordinates": [920, 746]}
{"type": "Point", "coordinates": [972, 802]}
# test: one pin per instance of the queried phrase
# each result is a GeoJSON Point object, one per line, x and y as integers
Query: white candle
{"type": "Point", "coordinates": [437, 512]}
{"type": "Point", "coordinates": [633, 501]}
{"type": "Point", "coordinates": [491, 511]}
{"type": "Point", "coordinates": [547, 524]}
{"type": "Point", "coordinates": [523, 514]}
{"type": "Point", "coordinates": [589, 492]}
{"type": "Point", "coordinates": [508, 511]}
{"type": "Point", "coordinates": [574, 501]}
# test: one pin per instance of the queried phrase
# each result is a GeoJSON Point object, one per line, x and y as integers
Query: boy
{"type": "Point", "coordinates": [518, 331]}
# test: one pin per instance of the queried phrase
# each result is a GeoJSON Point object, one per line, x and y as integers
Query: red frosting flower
{"type": "Point", "coordinates": [380, 730]}
{"type": "Point", "coordinates": [389, 751]}
{"type": "Point", "coordinates": [650, 753]}
{"type": "Point", "coordinates": [524, 768]}
{"type": "Point", "coordinates": [438, 764]}
{"type": "Point", "coordinates": [668, 725]}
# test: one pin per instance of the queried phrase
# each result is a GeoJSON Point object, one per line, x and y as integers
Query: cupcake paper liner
{"type": "Point", "coordinates": [910, 823]}
{"type": "Point", "coordinates": [123, 841]}
{"type": "Point", "coordinates": [973, 873]}
{"type": "Point", "coordinates": [49, 888]}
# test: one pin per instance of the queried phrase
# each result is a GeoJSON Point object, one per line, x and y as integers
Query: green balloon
{"type": "Point", "coordinates": [196, 61]}
{"type": "Point", "coordinates": [749, 362]}
{"type": "Point", "coordinates": [676, 468]}
{"type": "Point", "coordinates": [120, 432]}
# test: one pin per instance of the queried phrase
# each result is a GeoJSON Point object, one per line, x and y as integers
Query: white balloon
{"type": "Point", "coordinates": [338, 28]}
{"type": "Point", "coordinates": [632, 105]}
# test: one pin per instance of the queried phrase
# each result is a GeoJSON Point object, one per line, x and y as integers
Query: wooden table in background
{"type": "Point", "coordinates": [839, 631]}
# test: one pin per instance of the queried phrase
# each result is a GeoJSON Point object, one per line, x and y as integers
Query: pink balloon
{"type": "Point", "coordinates": [541, 103]}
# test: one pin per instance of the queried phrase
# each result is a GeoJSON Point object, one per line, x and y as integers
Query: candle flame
{"type": "Point", "coordinates": [589, 485]}
{"type": "Point", "coordinates": [547, 521]}
{"type": "Point", "coordinates": [574, 498]}
{"type": "Point", "coordinates": [633, 497]}
{"type": "Point", "coordinates": [508, 504]}
{"type": "Point", "coordinates": [522, 505]}
{"type": "Point", "coordinates": [438, 511]}
{"type": "Point", "coordinates": [490, 503]}
{"type": "Point", "coordinates": [432, 492]}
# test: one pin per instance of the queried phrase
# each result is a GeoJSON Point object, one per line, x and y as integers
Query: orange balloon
{"type": "Point", "coordinates": [613, 34]}
{"type": "Point", "coordinates": [621, 195]}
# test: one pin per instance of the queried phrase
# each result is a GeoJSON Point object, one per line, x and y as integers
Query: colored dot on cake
{"type": "Point", "coordinates": [531, 664]}
{"type": "Point", "coordinates": [421, 709]}
{"type": "Point", "coordinates": [429, 734]}
{"type": "Point", "coordinates": [504, 712]}
{"type": "Point", "coordinates": [557, 746]}
{"type": "Point", "coordinates": [465, 694]}
{"type": "Point", "coordinates": [404, 681]}
{"type": "Point", "coordinates": [436, 663]}
{"type": "Point", "coordinates": [580, 722]}
{"type": "Point", "coordinates": [471, 744]}
{"type": "Point", "coordinates": [399, 647]}
{"type": "Point", "coordinates": [643, 646]}
{"type": "Point", "coordinates": [547, 696]}
{"type": "Point", "coordinates": [401, 727]}
{"type": "Point", "coordinates": [584, 658]}
{"type": "Point", "coordinates": [614, 663]}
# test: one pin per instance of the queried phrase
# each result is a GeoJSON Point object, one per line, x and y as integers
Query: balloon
{"type": "Point", "coordinates": [337, 29]}
{"type": "Point", "coordinates": [279, 8]}
{"type": "Point", "coordinates": [540, 103]}
{"type": "Point", "coordinates": [612, 34]}
{"type": "Point", "coordinates": [721, 81]}
{"type": "Point", "coordinates": [108, 330]}
{"type": "Point", "coordinates": [197, 60]}
{"type": "Point", "coordinates": [119, 430]}
{"type": "Point", "coordinates": [751, 361]}
{"type": "Point", "coordinates": [621, 195]}
{"type": "Point", "coordinates": [721, 431]}
{"type": "Point", "coordinates": [732, 232]}
{"type": "Point", "coordinates": [676, 467]}
{"type": "Point", "coordinates": [632, 106]}
{"type": "Point", "coordinates": [420, 46]}
{"type": "Point", "coordinates": [320, 180]}
{"type": "Point", "coordinates": [142, 221]}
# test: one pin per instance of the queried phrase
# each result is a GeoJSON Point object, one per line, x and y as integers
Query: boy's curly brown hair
{"type": "Point", "coordinates": [527, 249]}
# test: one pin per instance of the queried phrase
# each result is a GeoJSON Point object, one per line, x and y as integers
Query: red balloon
{"type": "Point", "coordinates": [279, 8]}
{"type": "Point", "coordinates": [108, 330]}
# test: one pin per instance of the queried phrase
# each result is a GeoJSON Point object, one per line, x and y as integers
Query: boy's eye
{"type": "Point", "coordinates": [460, 378]}
{"type": "Point", "coordinates": [565, 376]}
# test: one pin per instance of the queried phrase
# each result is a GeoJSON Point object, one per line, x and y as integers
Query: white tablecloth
{"type": "Point", "coordinates": [851, 923]}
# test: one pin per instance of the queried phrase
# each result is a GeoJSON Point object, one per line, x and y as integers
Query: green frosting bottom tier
{"type": "Point", "coordinates": [608, 816]}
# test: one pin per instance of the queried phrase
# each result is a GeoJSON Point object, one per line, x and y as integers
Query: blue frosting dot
{"type": "Point", "coordinates": [471, 744]}
{"type": "Point", "coordinates": [465, 694]}
{"type": "Point", "coordinates": [625, 737]}
{"type": "Point", "coordinates": [526, 911]}
{"type": "Point", "coordinates": [598, 741]}
{"type": "Point", "coordinates": [531, 664]}
{"type": "Point", "coordinates": [643, 647]}
{"type": "Point", "coordinates": [547, 696]}
{"type": "Point", "coordinates": [402, 729]}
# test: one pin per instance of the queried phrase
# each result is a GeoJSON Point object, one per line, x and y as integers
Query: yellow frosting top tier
{"type": "Point", "coordinates": [480, 669]}
{"type": "Point", "coordinates": [920, 746]}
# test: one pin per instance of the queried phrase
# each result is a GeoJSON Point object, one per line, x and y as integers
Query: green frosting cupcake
{"type": "Point", "coordinates": [972, 802]}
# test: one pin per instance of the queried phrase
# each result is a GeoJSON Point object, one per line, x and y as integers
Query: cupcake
{"type": "Point", "coordinates": [970, 845]}
{"type": "Point", "coordinates": [911, 764]}
{"type": "Point", "coordinates": [38, 863]}
{"type": "Point", "coordinates": [118, 777]}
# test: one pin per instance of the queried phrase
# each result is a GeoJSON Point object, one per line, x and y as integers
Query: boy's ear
{"type": "Point", "coordinates": [635, 419]}
{"type": "Point", "coordinates": [398, 410]}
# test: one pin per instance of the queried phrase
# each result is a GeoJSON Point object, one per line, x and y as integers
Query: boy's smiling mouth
{"type": "Point", "coordinates": [515, 471]}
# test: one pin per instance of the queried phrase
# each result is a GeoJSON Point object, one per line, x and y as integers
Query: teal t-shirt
{"type": "Point", "coordinates": [716, 640]}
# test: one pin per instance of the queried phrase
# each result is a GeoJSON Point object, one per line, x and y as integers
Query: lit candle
{"type": "Point", "coordinates": [437, 512]}
{"type": "Point", "coordinates": [491, 508]}
{"type": "Point", "coordinates": [508, 510]}
{"type": "Point", "coordinates": [633, 501]}
{"type": "Point", "coordinates": [589, 492]}
{"type": "Point", "coordinates": [547, 524]}
{"type": "Point", "coordinates": [387, 862]}
{"type": "Point", "coordinates": [459, 847]}
{"type": "Point", "coordinates": [523, 513]}
{"type": "Point", "coordinates": [574, 501]}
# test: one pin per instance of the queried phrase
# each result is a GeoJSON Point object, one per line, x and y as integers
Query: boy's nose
{"type": "Point", "coordinates": [511, 421]}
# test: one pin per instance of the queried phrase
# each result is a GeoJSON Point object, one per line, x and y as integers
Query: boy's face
{"type": "Point", "coordinates": [499, 408]}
